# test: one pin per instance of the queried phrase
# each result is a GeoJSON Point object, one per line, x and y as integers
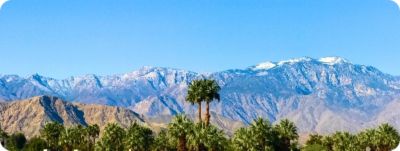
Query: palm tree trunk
{"type": "Point", "coordinates": [89, 143]}
{"type": "Point", "coordinates": [203, 148]}
{"type": "Point", "coordinates": [182, 144]}
{"type": "Point", "coordinates": [200, 120]}
{"type": "Point", "coordinates": [207, 113]}
{"type": "Point", "coordinates": [286, 146]}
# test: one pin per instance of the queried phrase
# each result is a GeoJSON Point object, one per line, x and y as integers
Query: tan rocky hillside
{"type": "Point", "coordinates": [30, 115]}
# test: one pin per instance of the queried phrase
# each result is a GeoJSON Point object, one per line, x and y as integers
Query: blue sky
{"type": "Point", "coordinates": [61, 38]}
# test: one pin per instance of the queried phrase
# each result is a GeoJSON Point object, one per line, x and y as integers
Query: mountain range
{"type": "Point", "coordinates": [320, 95]}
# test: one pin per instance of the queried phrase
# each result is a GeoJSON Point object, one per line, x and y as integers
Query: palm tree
{"type": "Point", "coordinates": [258, 136]}
{"type": "Point", "coordinates": [197, 138]}
{"type": "Point", "coordinates": [92, 132]}
{"type": "Point", "coordinates": [73, 138]}
{"type": "Point", "coordinates": [214, 139]}
{"type": "Point", "coordinates": [138, 138]}
{"type": "Point", "coordinates": [368, 139]}
{"type": "Point", "coordinates": [196, 95]}
{"type": "Point", "coordinates": [67, 139]}
{"type": "Point", "coordinates": [35, 144]}
{"type": "Point", "coordinates": [327, 142]}
{"type": "Point", "coordinates": [178, 129]}
{"type": "Point", "coordinates": [207, 138]}
{"type": "Point", "coordinates": [212, 93]}
{"type": "Point", "coordinates": [112, 139]}
{"type": "Point", "coordinates": [52, 133]}
{"type": "Point", "coordinates": [262, 134]}
{"type": "Point", "coordinates": [242, 140]}
{"type": "Point", "coordinates": [345, 141]}
{"type": "Point", "coordinates": [388, 137]}
{"type": "Point", "coordinates": [287, 133]}
{"type": "Point", "coordinates": [314, 139]}
{"type": "Point", "coordinates": [162, 142]}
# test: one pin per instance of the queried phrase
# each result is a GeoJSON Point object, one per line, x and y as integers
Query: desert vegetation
{"type": "Point", "coordinates": [182, 134]}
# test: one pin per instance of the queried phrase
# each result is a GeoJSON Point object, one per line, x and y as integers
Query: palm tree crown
{"type": "Point", "coordinates": [179, 128]}
{"type": "Point", "coordinates": [196, 95]}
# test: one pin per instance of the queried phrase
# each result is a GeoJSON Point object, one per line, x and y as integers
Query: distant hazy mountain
{"type": "Point", "coordinates": [321, 95]}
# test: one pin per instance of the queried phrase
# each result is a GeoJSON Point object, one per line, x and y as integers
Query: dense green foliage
{"type": "Point", "coordinates": [163, 142]}
{"type": "Point", "coordinates": [113, 138]}
{"type": "Point", "coordinates": [138, 138]}
{"type": "Point", "coordinates": [51, 133]}
{"type": "Point", "coordinates": [35, 144]}
{"type": "Point", "coordinates": [16, 142]}
{"type": "Point", "coordinates": [182, 134]}
{"type": "Point", "coordinates": [383, 138]}
{"type": "Point", "coordinates": [261, 135]}
{"type": "Point", "coordinates": [73, 138]}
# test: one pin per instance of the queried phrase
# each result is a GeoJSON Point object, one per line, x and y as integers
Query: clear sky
{"type": "Point", "coordinates": [61, 38]}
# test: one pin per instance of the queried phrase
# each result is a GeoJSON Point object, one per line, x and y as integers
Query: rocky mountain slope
{"type": "Point", "coordinates": [29, 116]}
{"type": "Point", "coordinates": [312, 92]}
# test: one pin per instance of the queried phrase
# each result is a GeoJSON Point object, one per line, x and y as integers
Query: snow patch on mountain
{"type": "Point", "coordinates": [265, 66]}
{"type": "Point", "coordinates": [333, 60]}
{"type": "Point", "coordinates": [296, 60]}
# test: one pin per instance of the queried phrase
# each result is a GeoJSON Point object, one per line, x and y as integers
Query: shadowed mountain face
{"type": "Point", "coordinates": [314, 93]}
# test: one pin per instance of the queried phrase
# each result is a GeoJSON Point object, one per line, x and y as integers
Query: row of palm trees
{"type": "Point", "coordinates": [54, 136]}
{"type": "Point", "coordinates": [182, 134]}
{"type": "Point", "coordinates": [383, 138]}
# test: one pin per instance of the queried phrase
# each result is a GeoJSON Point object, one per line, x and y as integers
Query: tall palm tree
{"type": "Point", "coordinates": [196, 95]}
{"type": "Point", "coordinates": [287, 133]}
{"type": "Point", "coordinates": [179, 129]}
{"type": "Point", "coordinates": [212, 89]}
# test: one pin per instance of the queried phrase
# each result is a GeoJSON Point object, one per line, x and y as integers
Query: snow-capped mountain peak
{"type": "Point", "coordinates": [325, 60]}
{"type": "Point", "coordinates": [332, 60]}
{"type": "Point", "coordinates": [295, 60]}
{"type": "Point", "coordinates": [265, 66]}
